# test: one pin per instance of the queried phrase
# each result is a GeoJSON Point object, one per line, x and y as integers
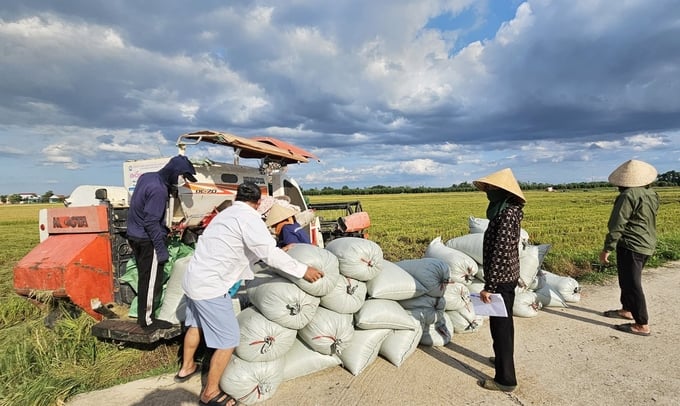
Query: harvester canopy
{"type": "Point", "coordinates": [269, 149]}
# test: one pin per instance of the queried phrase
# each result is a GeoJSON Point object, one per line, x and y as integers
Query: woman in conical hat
{"type": "Point", "coordinates": [632, 234]}
{"type": "Point", "coordinates": [286, 228]}
{"type": "Point", "coordinates": [501, 268]}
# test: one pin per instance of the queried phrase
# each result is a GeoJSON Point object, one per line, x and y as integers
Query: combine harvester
{"type": "Point", "coordinates": [83, 253]}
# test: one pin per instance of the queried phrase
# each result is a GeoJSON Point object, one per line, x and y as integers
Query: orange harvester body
{"type": "Point", "coordinates": [74, 262]}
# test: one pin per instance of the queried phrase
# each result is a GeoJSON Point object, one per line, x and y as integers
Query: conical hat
{"type": "Point", "coordinates": [633, 173]}
{"type": "Point", "coordinates": [503, 179]}
{"type": "Point", "coordinates": [266, 203]}
{"type": "Point", "coordinates": [279, 213]}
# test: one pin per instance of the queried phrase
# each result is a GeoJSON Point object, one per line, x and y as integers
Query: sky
{"type": "Point", "coordinates": [384, 92]}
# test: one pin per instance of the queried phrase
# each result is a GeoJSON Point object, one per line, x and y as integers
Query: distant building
{"type": "Point", "coordinates": [29, 197]}
{"type": "Point", "coordinates": [57, 198]}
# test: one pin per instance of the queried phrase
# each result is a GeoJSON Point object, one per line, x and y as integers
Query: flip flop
{"type": "Point", "coordinates": [221, 399]}
{"type": "Point", "coordinates": [614, 314]}
{"type": "Point", "coordinates": [180, 379]}
{"type": "Point", "coordinates": [628, 328]}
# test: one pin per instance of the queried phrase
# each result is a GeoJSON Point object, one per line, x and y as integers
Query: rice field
{"type": "Point", "coordinates": [44, 366]}
{"type": "Point", "coordinates": [574, 222]}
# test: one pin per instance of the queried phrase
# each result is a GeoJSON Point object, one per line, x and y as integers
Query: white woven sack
{"type": "Point", "coordinates": [394, 283]}
{"type": "Point", "coordinates": [476, 286]}
{"type": "Point", "coordinates": [401, 344]}
{"type": "Point", "coordinates": [382, 313]}
{"type": "Point", "coordinates": [318, 258]}
{"type": "Point", "coordinates": [549, 297]}
{"type": "Point", "coordinates": [439, 333]}
{"type": "Point", "coordinates": [252, 382]}
{"type": "Point", "coordinates": [302, 360]}
{"type": "Point", "coordinates": [473, 246]}
{"type": "Point", "coordinates": [432, 273]}
{"type": "Point", "coordinates": [347, 297]}
{"type": "Point", "coordinates": [543, 250]}
{"type": "Point", "coordinates": [363, 349]}
{"type": "Point", "coordinates": [173, 308]}
{"type": "Point", "coordinates": [281, 301]}
{"type": "Point", "coordinates": [566, 286]}
{"type": "Point", "coordinates": [457, 296]}
{"type": "Point", "coordinates": [262, 339]}
{"type": "Point", "coordinates": [305, 217]}
{"type": "Point", "coordinates": [328, 333]}
{"type": "Point", "coordinates": [526, 304]}
{"type": "Point", "coordinates": [479, 276]}
{"type": "Point", "coordinates": [359, 258]}
{"type": "Point", "coordinates": [470, 244]}
{"type": "Point", "coordinates": [437, 303]}
{"type": "Point", "coordinates": [529, 264]}
{"type": "Point", "coordinates": [535, 283]}
{"type": "Point", "coordinates": [479, 225]}
{"type": "Point", "coordinates": [424, 315]}
{"type": "Point", "coordinates": [464, 320]}
{"type": "Point", "coordinates": [463, 268]}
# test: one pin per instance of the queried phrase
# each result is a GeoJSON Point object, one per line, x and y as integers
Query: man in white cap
{"type": "Point", "coordinates": [632, 233]}
{"type": "Point", "coordinates": [501, 269]}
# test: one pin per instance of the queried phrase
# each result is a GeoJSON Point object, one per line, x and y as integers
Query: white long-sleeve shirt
{"type": "Point", "coordinates": [235, 239]}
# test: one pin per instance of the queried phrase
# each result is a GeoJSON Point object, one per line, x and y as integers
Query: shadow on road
{"type": "Point", "coordinates": [564, 313]}
{"type": "Point", "coordinates": [162, 397]}
{"type": "Point", "coordinates": [455, 363]}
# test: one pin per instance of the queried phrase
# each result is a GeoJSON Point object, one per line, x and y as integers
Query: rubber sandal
{"type": "Point", "coordinates": [614, 314]}
{"type": "Point", "coordinates": [218, 400]}
{"type": "Point", "coordinates": [180, 379]}
{"type": "Point", "coordinates": [490, 384]}
{"type": "Point", "coordinates": [628, 328]}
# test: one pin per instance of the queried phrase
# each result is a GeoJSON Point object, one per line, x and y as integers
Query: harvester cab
{"type": "Point", "coordinates": [83, 255]}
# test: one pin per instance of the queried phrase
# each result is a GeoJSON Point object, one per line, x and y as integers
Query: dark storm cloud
{"type": "Point", "coordinates": [371, 81]}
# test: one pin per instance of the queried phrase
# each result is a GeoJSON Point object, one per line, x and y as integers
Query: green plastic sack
{"type": "Point", "coordinates": [176, 250]}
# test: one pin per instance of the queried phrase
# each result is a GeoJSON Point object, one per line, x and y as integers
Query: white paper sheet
{"type": "Point", "coordinates": [495, 308]}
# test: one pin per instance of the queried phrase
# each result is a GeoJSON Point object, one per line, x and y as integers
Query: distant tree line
{"type": "Point", "coordinates": [671, 178]}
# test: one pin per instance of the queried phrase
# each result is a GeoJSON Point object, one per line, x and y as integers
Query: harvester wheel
{"type": "Point", "coordinates": [120, 345]}
{"type": "Point", "coordinates": [58, 309]}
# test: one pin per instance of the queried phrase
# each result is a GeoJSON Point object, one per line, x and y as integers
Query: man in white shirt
{"type": "Point", "coordinates": [234, 240]}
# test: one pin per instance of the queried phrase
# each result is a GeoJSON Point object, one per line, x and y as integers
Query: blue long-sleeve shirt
{"type": "Point", "coordinates": [146, 215]}
{"type": "Point", "coordinates": [293, 233]}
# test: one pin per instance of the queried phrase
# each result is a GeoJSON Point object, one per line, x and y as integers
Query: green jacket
{"type": "Point", "coordinates": [633, 221]}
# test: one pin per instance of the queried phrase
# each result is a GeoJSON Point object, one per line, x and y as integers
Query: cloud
{"type": "Point", "coordinates": [382, 91]}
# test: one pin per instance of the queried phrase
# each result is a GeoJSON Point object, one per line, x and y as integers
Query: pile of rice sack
{"type": "Point", "coordinates": [364, 307]}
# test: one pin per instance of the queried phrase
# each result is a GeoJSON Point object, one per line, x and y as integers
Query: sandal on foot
{"type": "Point", "coordinates": [490, 384]}
{"type": "Point", "coordinates": [614, 314]}
{"type": "Point", "coordinates": [221, 399]}
{"type": "Point", "coordinates": [628, 328]}
{"type": "Point", "coordinates": [180, 379]}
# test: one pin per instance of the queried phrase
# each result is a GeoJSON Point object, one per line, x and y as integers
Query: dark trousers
{"type": "Point", "coordinates": [150, 280]}
{"type": "Point", "coordinates": [629, 265]}
{"type": "Point", "coordinates": [503, 336]}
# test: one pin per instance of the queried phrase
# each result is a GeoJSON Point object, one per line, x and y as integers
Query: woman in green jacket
{"type": "Point", "coordinates": [632, 233]}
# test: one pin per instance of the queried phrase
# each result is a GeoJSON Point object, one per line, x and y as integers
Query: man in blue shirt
{"type": "Point", "coordinates": [147, 233]}
{"type": "Point", "coordinates": [287, 230]}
